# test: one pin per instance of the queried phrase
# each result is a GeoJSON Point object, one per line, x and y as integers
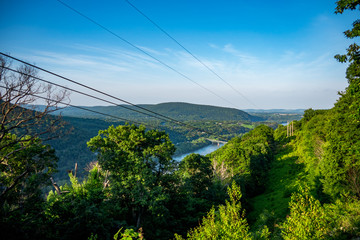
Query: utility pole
{"type": "Point", "coordinates": [290, 129]}
{"type": "Point", "coordinates": [287, 129]}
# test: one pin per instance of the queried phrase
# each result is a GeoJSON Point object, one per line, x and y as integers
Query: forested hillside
{"type": "Point", "coordinates": [300, 181]}
{"type": "Point", "coordinates": [225, 123]}
{"type": "Point", "coordinates": [179, 111]}
{"type": "Point", "coordinates": [312, 186]}
{"type": "Point", "coordinates": [221, 122]}
{"type": "Point", "coordinates": [71, 146]}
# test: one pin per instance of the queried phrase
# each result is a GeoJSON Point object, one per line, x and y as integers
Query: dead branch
{"type": "Point", "coordinates": [58, 190]}
{"type": "Point", "coordinates": [18, 91]}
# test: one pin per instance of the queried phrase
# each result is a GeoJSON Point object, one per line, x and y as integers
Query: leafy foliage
{"type": "Point", "coordinates": [138, 162]}
{"type": "Point", "coordinates": [310, 220]}
{"type": "Point", "coordinates": [246, 159]}
{"type": "Point", "coordinates": [307, 220]}
{"type": "Point", "coordinates": [180, 111]}
{"type": "Point", "coordinates": [226, 223]}
{"type": "Point", "coordinates": [72, 147]}
{"type": "Point", "coordinates": [128, 234]}
{"type": "Point", "coordinates": [23, 175]}
{"type": "Point", "coordinates": [81, 209]}
{"type": "Point", "coordinates": [330, 142]}
{"type": "Point", "coordinates": [137, 186]}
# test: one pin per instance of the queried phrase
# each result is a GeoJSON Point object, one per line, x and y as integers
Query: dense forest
{"type": "Point", "coordinates": [71, 147]}
{"type": "Point", "coordinates": [180, 111]}
{"type": "Point", "coordinates": [300, 181]}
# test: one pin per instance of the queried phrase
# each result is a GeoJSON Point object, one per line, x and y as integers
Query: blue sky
{"type": "Point", "coordinates": [278, 54]}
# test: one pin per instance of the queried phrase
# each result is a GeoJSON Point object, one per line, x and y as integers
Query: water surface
{"type": "Point", "coordinates": [202, 151]}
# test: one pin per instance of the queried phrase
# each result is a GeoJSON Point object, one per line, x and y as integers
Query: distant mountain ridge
{"type": "Point", "coordinates": [287, 111]}
{"type": "Point", "coordinates": [177, 110]}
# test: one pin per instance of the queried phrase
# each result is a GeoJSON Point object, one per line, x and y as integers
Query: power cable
{"type": "Point", "coordinates": [168, 118]}
{"type": "Point", "coordinates": [188, 51]}
{"type": "Point", "coordinates": [104, 100]}
{"type": "Point", "coordinates": [144, 52]}
{"type": "Point", "coordinates": [82, 93]}
{"type": "Point", "coordinates": [67, 104]}
{"type": "Point", "coordinates": [100, 113]}
{"type": "Point", "coordinates": [93, 111]}
{"type": "Point", "coordinates": [101, 92]}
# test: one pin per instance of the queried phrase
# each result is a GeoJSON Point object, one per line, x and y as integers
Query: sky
{"type": "Point", "coordinates": [268, 54]}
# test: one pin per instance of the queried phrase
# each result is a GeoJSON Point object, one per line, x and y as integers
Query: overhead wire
{"type": "Point", "coordinates": [156, 115]}
{"type": "Point", "coordinates": [146, 53]}
{"type": "Point", "coordinates": [104, 100]}
{"type": "Point", "coordinates": [78, 107]}
{"type": "Point", "coordinates": [98, 91]}
{"type": "Point", "coordinates": [188, 51]}
{"type": "Point", "coordinates": [82, 93]}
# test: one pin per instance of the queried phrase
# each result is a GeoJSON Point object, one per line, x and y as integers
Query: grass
{"type": "Point", "coordinates": [271, 207]}
{"type": "Point", "coordinates": [250, 126]}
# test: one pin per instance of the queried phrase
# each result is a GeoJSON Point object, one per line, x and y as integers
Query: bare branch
{"type": "Point", "coordinates": [55, 186]}
{"type": "Point", "coordinates": [18, 91]}
{"type": "Point", "coordinates": [18, 94]}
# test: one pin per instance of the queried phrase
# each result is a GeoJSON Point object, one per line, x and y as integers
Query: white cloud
{"type": "Point", "coordinates": [212, 45]}
{"type": "Point", "coordinates": [266, 81]}
{"type": "Point", "coordinates": [151, 51]}
{"type": "Point", "coordinates": [229, 48]}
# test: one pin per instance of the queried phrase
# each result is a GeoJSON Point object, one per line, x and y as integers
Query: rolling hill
{"type": "Point", "coordinates": [178, 110]}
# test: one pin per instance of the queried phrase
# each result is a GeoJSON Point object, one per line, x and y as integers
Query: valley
{"type": "Point", "coordinates": [178, 170]}
{"type": "Point", "coordinates": [221, 123]}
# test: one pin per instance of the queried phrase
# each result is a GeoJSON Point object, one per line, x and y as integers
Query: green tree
{"type": "Point", "coordinates": [81, 209]}
{"type": "Point", "coordinates": [197, 191]}
{"type": "Point", "coordinates": [19, 90]}
{"type": "Point", "coordinates": [307, 220]}
{"type": "Point", "coordinates": [345, 213]}
{"type": "Point", "coordinates": [139, 163]}
{"type": "Point", "coordinates": [23, 175]}
{"type": "Point", "coordinates": [246, 159]}
{"type": "Point", "coordinates": [129, 234]}
{"type": "Point", "coordinates": [228, 222]}
{"type": "Point", "coordinates": [25, 163]}
{"type": "Point", "coordinates": [197, 174]}
{"type": "Point", "coordinates": [341, 164]}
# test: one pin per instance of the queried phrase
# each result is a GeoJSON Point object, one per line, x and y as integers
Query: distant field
{"type": "Point", "coordinates": [250, 126]}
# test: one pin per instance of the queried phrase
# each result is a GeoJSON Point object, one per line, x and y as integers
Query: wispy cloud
{"type": "Point", "coordinates": [92, 58]}
{"type": "Point", "coordinates": [229, 48]}
{"type": "Point", "coordinates": [152, 51]}
{"type": "Point", "coordinates": [212, 45]}
{"type": "Point", "coordinates": [125, 55]}
{"type": "Point", "coordinates": [76, 61]}
{"type": "Point", "coordinates": [120, 71]}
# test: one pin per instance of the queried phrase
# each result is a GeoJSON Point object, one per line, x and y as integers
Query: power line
{"type": "Point", "coordinates": [101, 92]}
{"type": "Point", "coordinates": [107, 101]}
{"type": "Point", "coordinates": [155, 113]}
{"type": "Point", "coordinates": [188, 51]}
{"type": "Point", "coordinates": [82, 93]}
{"type": "Point", "coordinates": [67, 104]}
{"type": "Point", "coordinates": [100, 113]}
{"type": "Point", "coordinates": [144, 52]}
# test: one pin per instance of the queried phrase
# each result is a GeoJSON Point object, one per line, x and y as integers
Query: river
{"type": "Point", "coordinates": [202, 151]}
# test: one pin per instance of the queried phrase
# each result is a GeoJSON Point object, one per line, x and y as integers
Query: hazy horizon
{"type": "Point", "coordinates": [144, 104]}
